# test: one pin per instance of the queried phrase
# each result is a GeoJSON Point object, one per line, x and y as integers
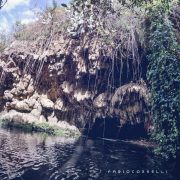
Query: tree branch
{"type": "Point", "coordinates": [2, 4]}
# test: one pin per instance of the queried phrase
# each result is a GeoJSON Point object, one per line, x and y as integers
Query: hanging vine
{"type": "Point", "coordinates": [164, 80]}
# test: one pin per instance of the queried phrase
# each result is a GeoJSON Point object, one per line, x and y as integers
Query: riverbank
{"type": "Point", "coordinates": [42, 127]}
{"type": "Point", "coordinates": [141, 143]}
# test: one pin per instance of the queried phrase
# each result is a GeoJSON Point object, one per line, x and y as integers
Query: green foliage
{"type": "Point", "coordinates": [132, 3]}
{"type": "Point", "coordinates": [164, 81]}
{"type": "Point", "coordinates": [45, 128]}
{"type": "Point", "coordinates": [105, 5]}
{"type": "Point", "coordinates": [128, 3]}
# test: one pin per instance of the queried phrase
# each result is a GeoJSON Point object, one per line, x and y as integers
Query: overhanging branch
{"type": "Point", "coordinates": [2, 3]}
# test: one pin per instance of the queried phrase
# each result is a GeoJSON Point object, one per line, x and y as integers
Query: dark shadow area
{"type": "Point", "coordinates": [133, 131]}
{"type": "Point", "coordinates": [110, 128]}
{"type": "Point", "coordinates": [103, 127]}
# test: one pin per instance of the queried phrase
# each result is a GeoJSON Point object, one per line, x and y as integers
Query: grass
{"type": "Point", "coordinates": [39, 127]}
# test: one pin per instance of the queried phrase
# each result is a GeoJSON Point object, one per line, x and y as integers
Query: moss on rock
{"type": "Point", "coordinates": [44, 127]}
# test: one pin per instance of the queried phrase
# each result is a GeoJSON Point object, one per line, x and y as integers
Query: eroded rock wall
{"type": "Point", "coordinates": [76, 84]}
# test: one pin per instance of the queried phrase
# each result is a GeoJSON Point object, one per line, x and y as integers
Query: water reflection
{"type": "Point", "coordinates": [36, 157]}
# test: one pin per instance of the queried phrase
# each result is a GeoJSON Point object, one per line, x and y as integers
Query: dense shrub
{"type": "Point", "coordinates": [164, 80]}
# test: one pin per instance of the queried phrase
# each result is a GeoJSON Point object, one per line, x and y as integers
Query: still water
{"type": "Point", "coordinates": [32, 156]}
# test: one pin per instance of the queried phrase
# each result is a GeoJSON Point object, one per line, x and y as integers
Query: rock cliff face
{"type": "Point", "coordinates": [75, 81]}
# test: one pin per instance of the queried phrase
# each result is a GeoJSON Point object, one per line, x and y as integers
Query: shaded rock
{"type": "Point", "coordinates": [102, 100]}
{"type": "Point", "coordinates": [67, 88]}
{"type": "Point", "coordinates": [11, 64]}
{"type": "Point", "coordinates": [130, 104]}
{"type": "Point", "coordinates": [124, 94]}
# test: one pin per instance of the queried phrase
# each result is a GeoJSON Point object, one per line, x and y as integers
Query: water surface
{"type": "Point", "coordinates": [32, 156]}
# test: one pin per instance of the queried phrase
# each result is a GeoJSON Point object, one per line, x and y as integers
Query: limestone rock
{"type": "Point", "coordinates": [42, 119]}
{"type": "Point", "coordinates": [35, 96]}
{"type": "Point", "coordinates": [101, 101]}
{"type": "Point", "coordinates": [20, 106]}
{"type": "Point", "coordinates": [8, 95]}
{"type": "Point", "coordinates": [30, 89]}
{"type": "Point", "coordinates": [18, 117]}
{"type": "Point", "coordinates": [37, 109]}
{"type": "Point", "coordinates": [31, 102]}
{"type": "Point", "coordinates": [66, 126]}
{"type": "Point", "coordinates": [80, 95]}
{"type": "Point", "coordinates": [22, 86]}
{"type": "Point", "coordinates": [67, 88]}
{"type": "Point", "coordinates": [36, 113]}
{"type": "Point", "coordinates": [59, 104]}
{"type": "Point", "coordinates": [52, 119]}
{"type": "Point", "coordinates": [46, 103]}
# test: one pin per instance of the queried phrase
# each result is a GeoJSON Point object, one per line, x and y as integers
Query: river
{"type": "Point", "coordinates": [33, 156]}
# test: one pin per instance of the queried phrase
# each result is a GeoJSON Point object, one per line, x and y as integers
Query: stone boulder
{"type": "Point", "coordinates": [20, 106]}
{"type": "Point", "coordinates": [46, 103]}
{"type": "Point", "coordinates": [18, 117]}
